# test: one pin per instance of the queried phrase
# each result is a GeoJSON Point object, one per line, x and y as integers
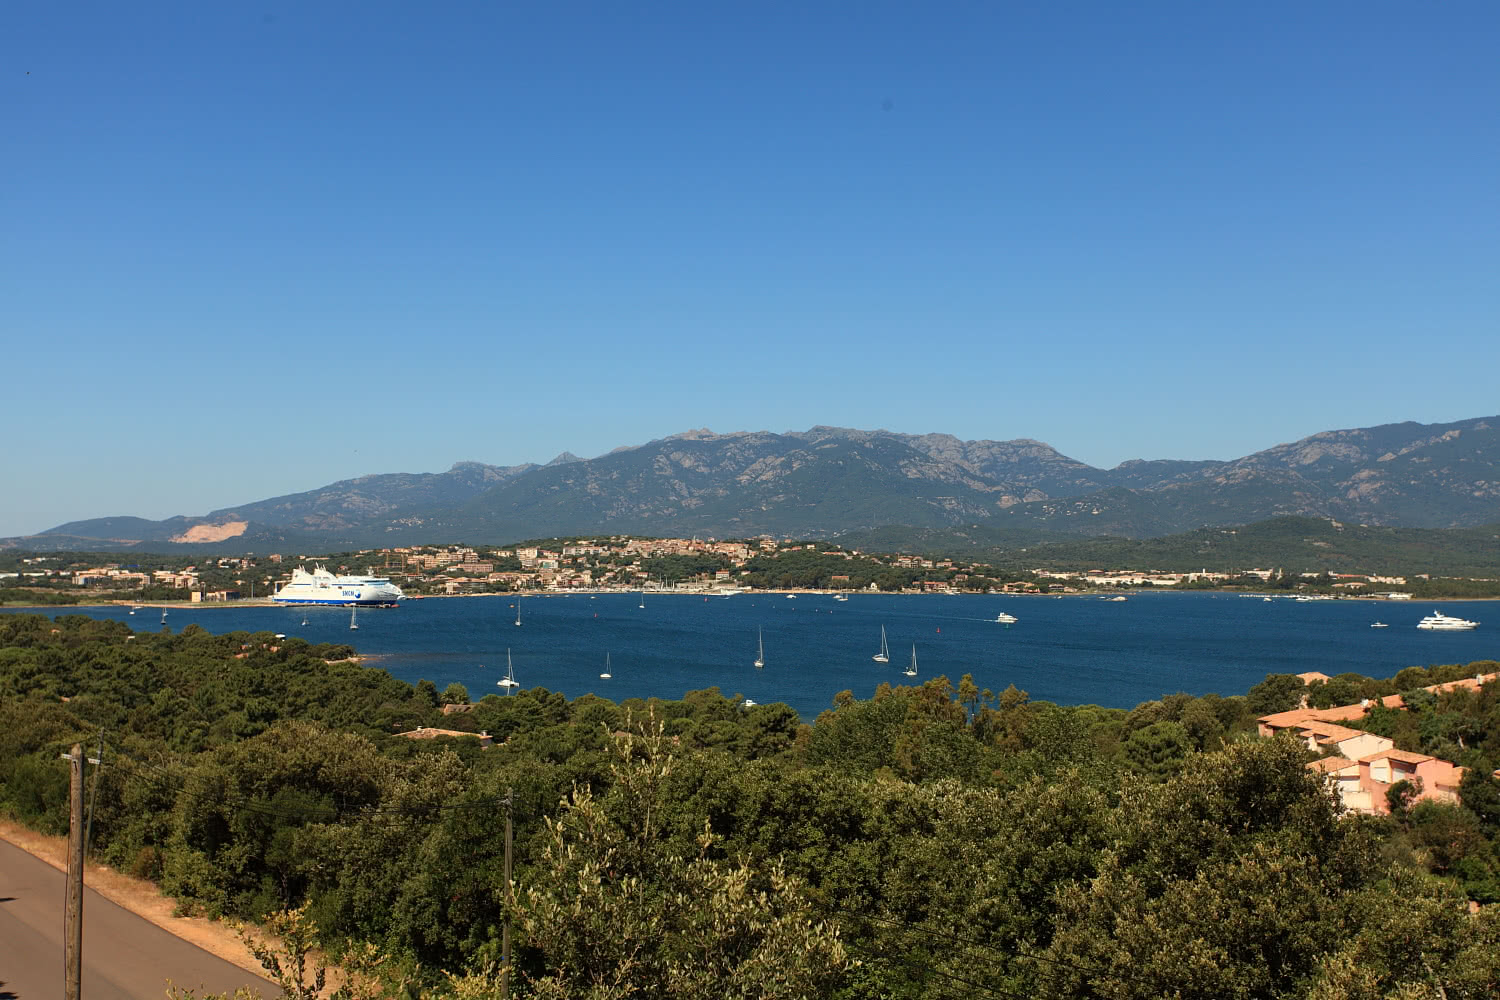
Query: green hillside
{"type": "Point", "coordinates": [1293, 544]}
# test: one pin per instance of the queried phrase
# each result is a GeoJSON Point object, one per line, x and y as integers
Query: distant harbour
{"type": "Point", "coordinates": [1072, 651]}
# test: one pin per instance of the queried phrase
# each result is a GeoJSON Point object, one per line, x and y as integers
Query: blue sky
{"type": "Point", "coordinates": [246, 251]}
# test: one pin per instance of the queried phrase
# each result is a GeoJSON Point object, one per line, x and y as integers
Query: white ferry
{"type": "Point", "coordinates": [322, 587]}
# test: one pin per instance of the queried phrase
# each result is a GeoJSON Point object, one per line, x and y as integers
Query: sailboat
{"type": "Point", "coordinates": [353, 610]}
{"type": "Point", "coordinates": [304, 619]}
{"type": "Point", "coordinates": [911, 671]}
{"type": "Point", "coordinates": [606, 675]}
{"type": "Point", "coordinates": [760, 657]}
{"type": "Point", "coordinates": [518, 609]}
{"type": "Point", "coordinates": [884, 656]}
{"type": "Point", "coordinates": [509, 680]}
{"type": "Point", "coordinates": [164, 617]}
{"type": "Point", "coordinates": [134, 609]}
{"type": "Point", "coordinates": [643, 598]}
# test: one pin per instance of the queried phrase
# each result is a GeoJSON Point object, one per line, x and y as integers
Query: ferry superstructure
{"type": "Point", "coordinates": [322, 587]}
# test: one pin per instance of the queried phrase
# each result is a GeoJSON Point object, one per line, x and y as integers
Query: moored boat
{"type": "Point", "coordinates": [1439, 622]}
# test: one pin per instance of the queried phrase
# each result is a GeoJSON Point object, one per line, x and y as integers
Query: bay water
{"type": "Point", "coordinates": [1073, 650]}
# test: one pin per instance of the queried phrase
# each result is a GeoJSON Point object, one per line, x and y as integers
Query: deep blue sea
{"type": "Point", "coordinates": [1073, 650]}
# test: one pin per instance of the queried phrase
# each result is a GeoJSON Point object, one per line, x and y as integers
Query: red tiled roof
{"type": "Point", "coordinates": [1343, 713]}
{"type": "Point", "coordinates": [1405, 756]}
{"type": "Point", "coordinates": [1294, 717]}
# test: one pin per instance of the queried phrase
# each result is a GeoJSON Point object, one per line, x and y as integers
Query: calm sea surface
{"type": "Point", "coordinates": [1075, 650]}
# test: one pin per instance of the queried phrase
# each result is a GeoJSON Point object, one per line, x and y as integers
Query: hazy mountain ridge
{"type": "Point", "coordinates": [830, 480]}
{"type": "Point", "coordinates": [353, 503]}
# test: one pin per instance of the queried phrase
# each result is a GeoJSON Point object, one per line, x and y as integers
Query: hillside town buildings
{"type": "Point", "coordinates": [621, 562]}
{"type": "Point", "coordinates": [1364, 766]}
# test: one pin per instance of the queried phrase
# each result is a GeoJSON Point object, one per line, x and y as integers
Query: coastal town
{"type": "Point", "coordinates": [626, 563]}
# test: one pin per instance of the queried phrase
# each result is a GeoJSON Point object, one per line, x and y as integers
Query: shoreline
{"type": "Point", "coordinates": [1094, 595]}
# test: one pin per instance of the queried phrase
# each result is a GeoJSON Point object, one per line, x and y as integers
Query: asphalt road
{"type": "Point", "coordinates": [125, 957]}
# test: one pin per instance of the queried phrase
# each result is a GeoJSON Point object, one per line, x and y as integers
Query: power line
{"type": "Point", "coordinates": [994, 953]}
{"type": "Point", "coordinates": [911, 962]}
{"type": "Point", "coordinates": [337, 815]}
{"type": "Point", "coordinates": [147, 770]}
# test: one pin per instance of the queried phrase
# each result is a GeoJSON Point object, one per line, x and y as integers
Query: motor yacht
{"type": "Point", "coordinates": [1439, 622]}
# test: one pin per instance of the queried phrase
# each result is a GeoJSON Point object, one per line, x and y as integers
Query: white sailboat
{"type": "Point", "coordinates": [606, 675]}
{"type": "Point", "coordinates": [518, 609]}
{"type": "Point", "coordinates": [304, 619]}
{"type": "Point", "coordinates": [164, 617]}
{"type": "Point", "coordinates": [643, 598]}
{"type": "Point", "coordinates": [353, 610]}
{"type": "Point", "coordinates": [509, 680]}
{"type": "Point", "coordinates": [884, 656]}
{"type": "Point", "coordinates": [911, 671]}
{"type": "Point", "coordinates": [760, 657]}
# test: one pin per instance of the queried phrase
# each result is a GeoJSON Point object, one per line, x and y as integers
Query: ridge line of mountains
{"type": "Point", "coordinates": [832, 481]}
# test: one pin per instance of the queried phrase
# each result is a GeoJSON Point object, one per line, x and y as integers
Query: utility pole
{"type": "Point", "coordinates": [73, 904]}
{"type": "Point", "coordinates": [509, 899]}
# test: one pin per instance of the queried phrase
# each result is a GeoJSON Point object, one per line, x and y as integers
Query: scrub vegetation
{"type": "Point", "coordinates": [932, 841]}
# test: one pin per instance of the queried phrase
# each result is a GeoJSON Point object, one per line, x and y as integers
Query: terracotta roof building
{"type": "Point", "coordinates": [1364, 766]}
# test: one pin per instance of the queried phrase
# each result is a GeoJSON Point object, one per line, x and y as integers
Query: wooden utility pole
{"type": "Point", "coordinates": [509, 898]}
{"type": "Point", "coordinates": [73, 906]}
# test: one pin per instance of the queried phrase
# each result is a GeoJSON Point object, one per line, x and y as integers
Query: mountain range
{"type": "Point", "coordinates": [830, 481]}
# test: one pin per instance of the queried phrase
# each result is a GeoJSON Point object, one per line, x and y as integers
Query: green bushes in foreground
{"type": "Point", "coordinates": [931, 840]}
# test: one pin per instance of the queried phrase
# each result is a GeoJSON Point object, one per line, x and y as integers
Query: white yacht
{"type": "Point", "coordinates": [1439, 622]}
{"type": "Point", "coordinates": [509, 680]}
{"type": "Point", "coordinates": [1008, 619]}
{"type": "Point", "coordinates": [322, 587]}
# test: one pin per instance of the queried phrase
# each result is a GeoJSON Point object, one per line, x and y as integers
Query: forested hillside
{"type": "Point", "coordinates": [933, 841]}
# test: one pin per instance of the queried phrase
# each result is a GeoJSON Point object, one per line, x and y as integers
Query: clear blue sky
{"type": "Point", "coordinates": [247, 251]}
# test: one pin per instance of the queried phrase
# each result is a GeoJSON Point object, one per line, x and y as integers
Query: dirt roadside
{"type": "Point", "coordinates": [138, 896]}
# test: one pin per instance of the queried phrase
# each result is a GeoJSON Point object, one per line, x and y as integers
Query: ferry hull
{"type": "Point", "coordinates": [340, 602]}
